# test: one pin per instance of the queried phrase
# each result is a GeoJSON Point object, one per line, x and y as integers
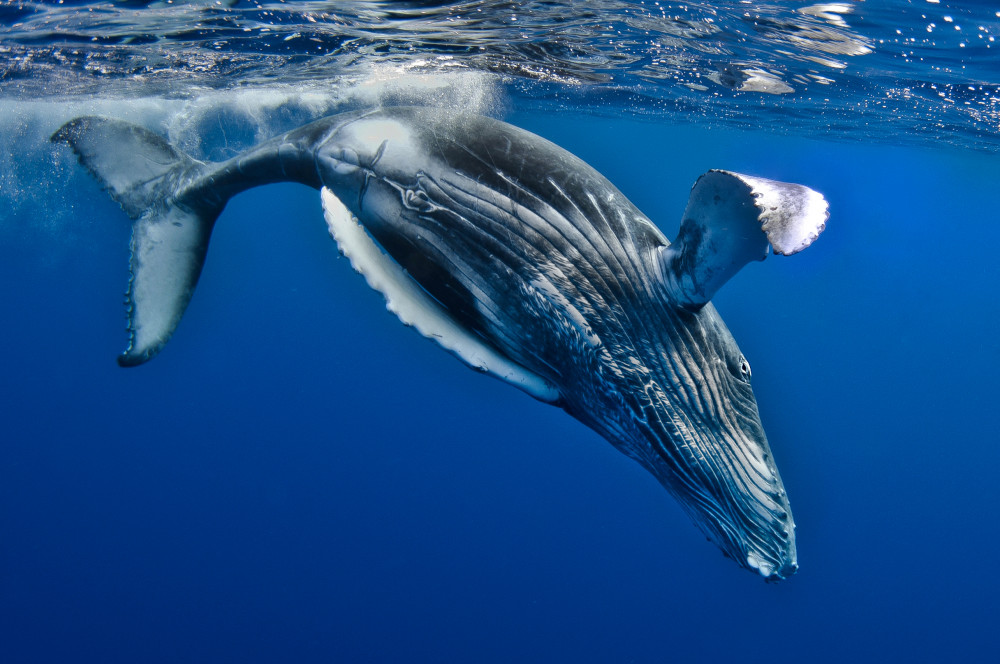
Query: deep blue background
{"type": "Point", "coordinates": [299, 478]}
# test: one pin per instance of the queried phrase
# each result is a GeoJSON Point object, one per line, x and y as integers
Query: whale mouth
{"type": "Point", "coordinates": [757, 531]}
{"type": "Point", "coordinates": [750, 526]}
{"type": "Point", "coordinates": [762, 545]}
{"type": "Point", "coordinates": [712, 455]}
{"type": "Point", "coordinates": [772, 573]}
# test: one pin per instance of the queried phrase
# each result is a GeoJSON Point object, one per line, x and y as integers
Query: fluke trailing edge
{"type": "Point", "coordinates": [524, 262]}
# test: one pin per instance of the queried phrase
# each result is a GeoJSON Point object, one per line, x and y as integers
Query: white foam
{"type": "Point", "coordinates": [268, 111]}
{"type": "Point", "coordinates": [37, 178]}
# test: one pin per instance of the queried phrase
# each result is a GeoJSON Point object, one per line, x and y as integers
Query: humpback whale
{"type": "Point", "coordinates": [522, 261]}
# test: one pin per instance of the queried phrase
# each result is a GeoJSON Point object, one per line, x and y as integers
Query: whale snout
{"type": "Point", "coordinates": [718, 464]}
{"type": "Point", "coordinates": [774, 569]}
{"type": "Point", "coordinates": [790, 567]}
{"type": "Point", "coordinates": [761, 544]}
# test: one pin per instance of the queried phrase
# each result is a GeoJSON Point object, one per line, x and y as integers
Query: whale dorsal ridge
{"type": "Point", "coordinates": [731, 220]}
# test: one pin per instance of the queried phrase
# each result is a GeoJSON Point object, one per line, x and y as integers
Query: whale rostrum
{"type": "Point", "coordinates": [522, 261]}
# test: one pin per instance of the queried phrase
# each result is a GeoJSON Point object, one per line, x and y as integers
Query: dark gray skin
{"type": "Point", "coordinates": [527, 247]}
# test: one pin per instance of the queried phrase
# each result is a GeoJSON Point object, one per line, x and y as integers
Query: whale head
{"type": "Point", "coordinates": [697, 429]}
{"type": "Point", "coordinates": [680, 396]}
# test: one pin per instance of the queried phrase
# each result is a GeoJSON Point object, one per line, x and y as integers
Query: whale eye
{"type": "Point", "coordinates": [745, 369]}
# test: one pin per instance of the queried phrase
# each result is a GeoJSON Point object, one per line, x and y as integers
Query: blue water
{"type": "Point", "coordinates": [299, 478]}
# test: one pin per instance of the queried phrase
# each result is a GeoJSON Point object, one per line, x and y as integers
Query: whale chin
{"type": "Point", "coordinates": [772, 574]}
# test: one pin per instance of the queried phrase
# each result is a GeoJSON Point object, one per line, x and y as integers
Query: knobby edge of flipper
{"type": "Point", "coordinates": [416, 308]}
{"type": "Point", "coordinates": [731, 220]}
{"type": "Point", "coordinates": [170, 227]}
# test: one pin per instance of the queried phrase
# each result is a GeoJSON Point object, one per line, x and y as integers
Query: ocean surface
{"type": "Point", "coordinates": [299, 478]}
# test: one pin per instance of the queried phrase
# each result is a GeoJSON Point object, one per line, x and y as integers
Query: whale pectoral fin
{"type": "Point", "coordinates": [731, 220]}
{"type": "Point", "coordinates": [415, 308]}
{"type": "Point", "coordinates": [142, 172]}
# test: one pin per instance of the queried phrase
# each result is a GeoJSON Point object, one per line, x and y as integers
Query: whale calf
{"type": "Point", "coordinates": [524, 262]}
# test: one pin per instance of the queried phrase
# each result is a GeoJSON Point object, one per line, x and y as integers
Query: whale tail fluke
{"type": "Point", "coordinates": [164, 193]}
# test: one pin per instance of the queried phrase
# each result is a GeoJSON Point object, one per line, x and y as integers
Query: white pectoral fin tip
{"type": "Point", "coordinates": [731, 220]}
{"type": "Point", "coordinates": [792, 215]}
{"type": "Point", "coordinates": [414, 307]}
